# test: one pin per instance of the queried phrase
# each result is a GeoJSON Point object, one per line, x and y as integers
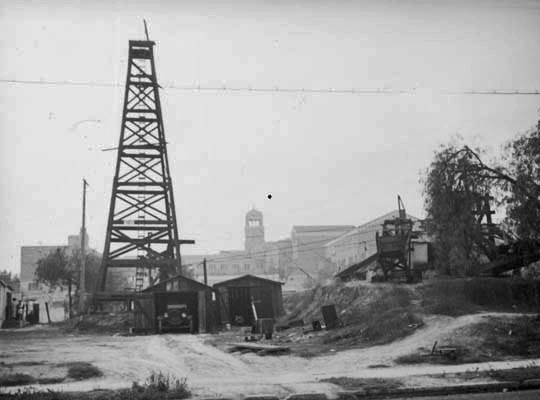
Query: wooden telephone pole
{"type": "Point", "coordinates": [205, 272]}
{"type": "Point", "coordinates": [82, 280]}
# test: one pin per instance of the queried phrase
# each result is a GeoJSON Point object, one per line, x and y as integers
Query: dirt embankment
{"type": "Point", "coordinates": [373, 314]}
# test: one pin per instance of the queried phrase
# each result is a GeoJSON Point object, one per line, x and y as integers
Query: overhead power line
{"type": "Point", "coordinates": [278, 89]}
{"type": "Point", "coordinates": [274, 252]}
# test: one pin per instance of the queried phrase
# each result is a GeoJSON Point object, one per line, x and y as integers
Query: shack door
{"type": "Point", "coordinates": [144, 313]}
{"type": "Point", "coordinates": [240, 306]}
{"type": "Point", "coordinates": [240, 299]}
{"type": "Point", "coordinates": [262, 297]}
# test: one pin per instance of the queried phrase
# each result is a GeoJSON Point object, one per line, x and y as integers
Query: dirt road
{"type": "Point", "coordinates": [213, 372]}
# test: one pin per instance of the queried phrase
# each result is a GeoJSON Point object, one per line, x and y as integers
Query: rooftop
{"type": "Point", "coordinates": [321, 228]}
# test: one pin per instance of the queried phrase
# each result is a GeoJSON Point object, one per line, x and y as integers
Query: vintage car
{"type": "Point", "coordinates": [175, 319]}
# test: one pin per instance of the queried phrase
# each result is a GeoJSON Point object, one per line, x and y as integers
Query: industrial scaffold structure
{"type": "Point", "coordinates": [142, 230]}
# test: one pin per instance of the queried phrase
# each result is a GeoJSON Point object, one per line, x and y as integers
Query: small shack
{"type": "Point", "coordinates": [237, 297]}
{"type": "Point", "coordinates": [156, 301]}
{"type": "Point", "coordinates": [6, 303]}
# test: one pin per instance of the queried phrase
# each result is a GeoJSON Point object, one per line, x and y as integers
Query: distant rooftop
{"type": "Point", "coordinates": [321, 228]}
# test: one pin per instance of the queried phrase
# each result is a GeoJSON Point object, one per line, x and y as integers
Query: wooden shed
{"type": "Point", "coordinates": [198, 298]}
{"type": "Point", "coordinates": [235, 298]}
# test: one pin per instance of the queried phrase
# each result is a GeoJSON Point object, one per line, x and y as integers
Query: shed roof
{"type": "Point", "coordinates": [248, 277]}
{"type": "Point", "coordinates": [180, 277]}
{"type": "Point", "coordinates": [5, 284]}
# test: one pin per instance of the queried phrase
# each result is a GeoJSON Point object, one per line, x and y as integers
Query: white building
{"type": "Point", "coordinates": [34, 292]}
{"type": "Point", "coordinates": [359, 243]}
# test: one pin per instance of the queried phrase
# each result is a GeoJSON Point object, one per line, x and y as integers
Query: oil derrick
{"type": "Point", "coordinates": [142, 230]}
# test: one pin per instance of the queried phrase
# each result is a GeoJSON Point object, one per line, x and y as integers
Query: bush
{"type": "Point", "coordinates": [17, 379]}
{"type": "Point", "coordinates": [83, 370]}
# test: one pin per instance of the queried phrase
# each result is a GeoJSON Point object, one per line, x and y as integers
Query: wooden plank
{"type": "Point", "coordinates": [202, 311]}
{"type": "Point", "coordinates": [260, 346]}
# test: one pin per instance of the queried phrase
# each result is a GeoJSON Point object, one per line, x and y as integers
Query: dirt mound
{"type": "Point", "coordinates": [105, 323]}
{"type": "Point", "coordinates": [369, 314]}
{"type": "Point", "coordinates": [352, 300]}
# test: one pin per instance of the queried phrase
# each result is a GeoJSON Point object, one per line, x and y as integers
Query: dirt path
{"type": "Point", "coordinates": [213, 372]}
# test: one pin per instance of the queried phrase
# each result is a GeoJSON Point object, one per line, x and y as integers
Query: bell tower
{"type": "Point", "coordinates": [254, 230]}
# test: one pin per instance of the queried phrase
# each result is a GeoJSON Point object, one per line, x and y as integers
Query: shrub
{"type": "Point", "coordinates": [17, 379]}
{"type": "Point", "coordinates": [83, 370]}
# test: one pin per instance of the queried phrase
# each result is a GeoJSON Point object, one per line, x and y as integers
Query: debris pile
{"type": "Point", "coordinates": [105, 323]}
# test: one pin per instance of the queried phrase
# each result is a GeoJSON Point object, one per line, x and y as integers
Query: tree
{"type": "Point", "coordinates": [92, 266]}
{"type": "Point", "coordinates": [8, 276]}
{"type": "Point", "coordinates": [55, 270]}
{"type": "Point", "coordinates": [455, 190]}
{"type": "Point", "coordinates": [523, 191]}
{"type": "Point", "coordinates": [457, 186]}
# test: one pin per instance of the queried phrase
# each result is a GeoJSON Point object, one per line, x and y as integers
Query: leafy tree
{"type": "Point", "coordinates": [8, 276]}
{"type": "Point", "coordinates": [92, 266]}
{"type": "Point", "coordinates": [523, 191]}
{"type": "Point", "coordinates": [56, 270]}
{"type": "Point", "coordinates": [457, 185]}
{"type": "Point", "coordinates": [455, 189]}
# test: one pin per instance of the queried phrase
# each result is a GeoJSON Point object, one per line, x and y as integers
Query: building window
{"type": "Point", "coordinates": [236, 267]}
{"type": "Point", "coordinates": [246, 267]}
{"type": "Point", "coordinates": [222, 267]}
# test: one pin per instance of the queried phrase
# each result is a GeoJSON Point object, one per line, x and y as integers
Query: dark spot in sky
{"type": "Point", "coordinates": [269, 196]}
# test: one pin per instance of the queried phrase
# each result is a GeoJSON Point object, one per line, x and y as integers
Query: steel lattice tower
{"type": "Point", "coordinates": [142, 230]}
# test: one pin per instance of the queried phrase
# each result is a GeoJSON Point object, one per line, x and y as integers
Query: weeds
{"type": "Point", "coordinates": [368, 384]}
{"type": "Point", "coordinates": [158, 386]}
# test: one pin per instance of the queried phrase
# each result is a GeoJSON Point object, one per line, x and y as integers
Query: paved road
{"type": "Point", "coordinates": [522, 395]}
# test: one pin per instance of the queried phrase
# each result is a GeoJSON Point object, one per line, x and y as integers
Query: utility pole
{"type": "Point", "coordinates": [82, 280]}
{"type": "Point", "coordinates": [205, 273]}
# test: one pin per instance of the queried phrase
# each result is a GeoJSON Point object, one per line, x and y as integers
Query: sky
{"type": "Point", "coordinates": [326, 158]}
